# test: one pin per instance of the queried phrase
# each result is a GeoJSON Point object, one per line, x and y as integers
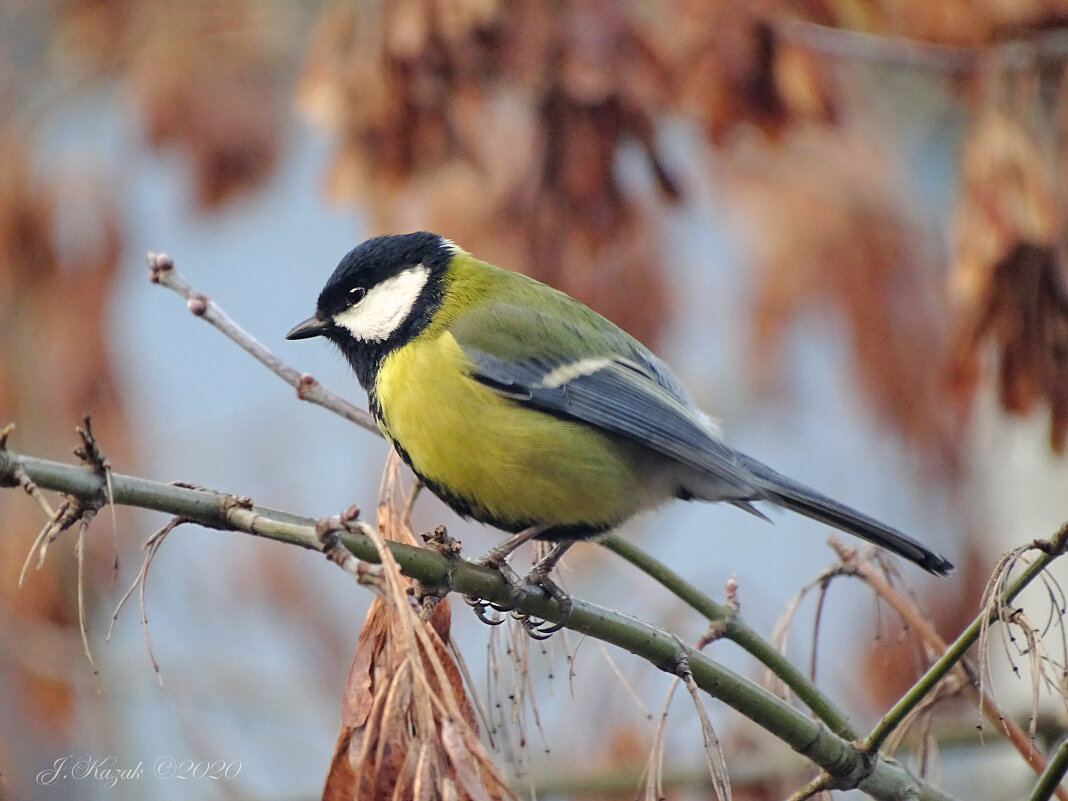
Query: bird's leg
{"type": "Point", "coordinates": [496, 559]}
{"type": "Point", "coordinates": [496, 555]}
{"type": "Point", "coordinates": [539, 576]}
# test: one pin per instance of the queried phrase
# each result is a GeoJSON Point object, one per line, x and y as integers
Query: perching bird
{"type": "Point", "coordinates": [522, 408]}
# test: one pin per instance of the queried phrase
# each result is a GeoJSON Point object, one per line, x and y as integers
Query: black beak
{"type": "Point", "coordinates": [312, 327]}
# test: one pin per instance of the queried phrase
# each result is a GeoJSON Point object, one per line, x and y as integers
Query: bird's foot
{"type": "Point", "coordinates": [536, 628]}
{"type": "Point", "coordinates": [479, 607]}
{"type": "Point", "coordinates": [496, 561]}
{"type": "Point", "coordinates": [542, 629]}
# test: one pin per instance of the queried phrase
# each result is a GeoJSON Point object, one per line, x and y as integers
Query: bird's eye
{"type": "Point", "coordinates": [356, 294]}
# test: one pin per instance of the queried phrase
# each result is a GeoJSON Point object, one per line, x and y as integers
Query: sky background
{"type": "Point", "coordinates": [247, 679]}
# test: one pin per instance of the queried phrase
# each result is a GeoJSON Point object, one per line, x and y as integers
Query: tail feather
{"type": "Point", "coordinates": [791, 495]}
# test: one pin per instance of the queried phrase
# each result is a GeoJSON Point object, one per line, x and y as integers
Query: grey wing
{"type": "Point", "coordinates": [635, 400]}
{"type": "Point", "coordinates": [640, 401]}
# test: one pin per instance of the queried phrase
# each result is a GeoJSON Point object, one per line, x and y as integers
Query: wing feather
{"type": "Point", "coordinates": [623, 397]}
{"type": "Point", "coordinates": [617, 385]}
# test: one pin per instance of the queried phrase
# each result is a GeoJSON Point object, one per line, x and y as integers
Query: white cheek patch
{"type": "Point", "coordinates": [385, 307]}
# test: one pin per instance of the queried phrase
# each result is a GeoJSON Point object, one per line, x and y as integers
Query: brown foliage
{"type": "Point", "coordinates": [1009, 273]}
{"type": "Point", "coordinates": [830, 232]}
{"type": "Point", "coordinates": [408, 730]}
{"type": "Point", "coordinates": [54, 364]}
{"type": "Point", "coordinates": [205, 76]}
{"type": "Point", "coordinates": [500, 124]}
{"type": "Point", "coordinates": [735, 70]}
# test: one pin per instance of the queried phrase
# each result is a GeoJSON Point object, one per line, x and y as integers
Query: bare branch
{"type": "Point", "coordinates": [968, 678]}
{"type": "Point", "coordinates": [1049, 550]}
{"type": "Point", "coordinates": [162, 271]}
{"type": "Point", "coordinates": [737, 631]}
{"type": "Point", "coordinates": [881, 778]}
{"type": "Point", "coordinates": [717, 762]}
{"type": "Point", "coordinates": [1050, 780]}
{"type": "Point", "coordinates": [151, 546]}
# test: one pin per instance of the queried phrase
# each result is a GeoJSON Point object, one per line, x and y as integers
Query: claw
{"type": "Point", "coordinates": [544, 629]}
{"type": "Point", "coordinates": [479, 607]}
{"type": "Point", "coordinates": [538, 633]}
{"type": "Point", "coordinates": [535, 628]}
{"type": "Point", "coordinates": [531, 625]}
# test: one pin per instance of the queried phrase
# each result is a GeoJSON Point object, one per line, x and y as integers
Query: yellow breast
{"type": "Point", "coordinates": [491, 458]}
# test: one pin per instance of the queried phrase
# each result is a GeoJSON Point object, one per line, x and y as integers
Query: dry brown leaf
{"type": "Point", "coordinates": [733, 70]}
{"type": "Point", "coordinates": [408, 729]}
{"type": "Point", "coordinates": [829, 231]}
{"type": "Point", "coordinates": [1009, 279]}
{"type": "Point", "coordinates": [971, 23]}
{"type": "Point", "coordinates": [501, 128]}
{"type": "Point", "coordinates": [205, 77]}
{"type": "Point", "coordinates": [60, 241]}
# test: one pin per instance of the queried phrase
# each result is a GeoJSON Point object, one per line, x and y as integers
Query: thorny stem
{"type": "Point", "coordinates": [735, 629]}
{"type": "Point", "coordinates": [881, 778]}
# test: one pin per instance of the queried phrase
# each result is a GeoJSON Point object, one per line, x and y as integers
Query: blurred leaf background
{"type": "Point", "coordinates": [843, 222]}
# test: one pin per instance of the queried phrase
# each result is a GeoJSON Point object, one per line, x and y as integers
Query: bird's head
{"type": "Point", "coordinates": [384, 291]}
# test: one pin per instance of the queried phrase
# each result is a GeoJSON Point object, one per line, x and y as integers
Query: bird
{"type": "Point", "coordinates": [524, 409]}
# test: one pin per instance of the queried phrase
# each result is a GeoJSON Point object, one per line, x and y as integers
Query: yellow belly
{"type": "Point", "coordinates": [496, 461]}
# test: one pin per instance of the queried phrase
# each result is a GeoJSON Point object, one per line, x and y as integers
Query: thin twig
{"type": "Point", "coordinates": [738, 632]}
{"type": "Point", "coordinates": [162, 271]}
{"type": "Point", "coordinates": [654, 763]}
{"type": "Point", "coordinates": [151, 546]}
{"type": "Point", "coordinates": [1050, 780]}
{"type": "Point", "coordinates": [915, 620]}
{"type": "Point", "coordinates": [628, 688]}
{"type": "Point", "coordinates": [1049, 551]}
{"type": "Point", "coordinates": [1022, 52]}
{"type": "Point", "coordinates": [83, 624]}
{"type": "Point", "coordinates": [819, 785]}
{"type": "Point", "coordinates": [717, 763]}
{"type": "Point", "coordinates": [92, 456]}
{"type": "Point", "coordinates": [821, 598]}
{"type": "Point", "coordinates": [70, 512]}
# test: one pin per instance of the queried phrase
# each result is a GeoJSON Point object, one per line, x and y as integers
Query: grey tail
{"type": "Point", "coordinates": [787, 493]}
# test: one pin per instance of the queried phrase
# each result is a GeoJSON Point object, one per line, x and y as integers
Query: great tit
{"type": "Point", "coordinates": [522, 408]}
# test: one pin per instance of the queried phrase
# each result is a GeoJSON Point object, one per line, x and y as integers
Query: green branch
{"type": "Point", "coordinates": [735, 629]}
{"type": "Point", "coordinates": [882, 778]}
{"type": "Point", "coordinates": [1052, 775]}
{"type": "Point", "coordinates": [955, 652]}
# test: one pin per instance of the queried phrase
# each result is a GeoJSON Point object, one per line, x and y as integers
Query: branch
{"type": "Point", "coordinates": [880, 777]}
{"type": "Point", "coordinates": [735, 629]}
{"type": "Point", "coordinates": [1050, 780]}
{"type": "Point", "coordinates": [869, 773]}
{"type": "Point", "coordinates": [1049, 551]}
{"type": "Point", "coordinates": [908, 612]}
{"type": "Point", "coordinates": [162, 272]}
{"type": "Point", "coordinates": [1029, 51]}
